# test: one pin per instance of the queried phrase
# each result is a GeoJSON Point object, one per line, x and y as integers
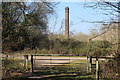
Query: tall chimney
{"type": "Point", "coordinates": [67, 22]}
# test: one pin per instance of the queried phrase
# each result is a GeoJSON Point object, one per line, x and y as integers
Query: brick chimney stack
{"type": "Point", "coordinates": [67, 22]}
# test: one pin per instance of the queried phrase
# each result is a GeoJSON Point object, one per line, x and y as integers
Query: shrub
{"type": "Point", "coordinates": [111, 69]}
{"type": "Point", "coordinates": [11, 65]}
{"type": "Point", "coordinates": [99, 48]}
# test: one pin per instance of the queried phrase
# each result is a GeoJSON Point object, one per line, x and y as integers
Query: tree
{"type": "Point", "coordinates": [110, 69]}
{"type": "Point", "coordinates": [93, 32]}
{"type": "Point", "coordinates": [111, 9]}
{"type": "Point", "coordinates": [24, 24]}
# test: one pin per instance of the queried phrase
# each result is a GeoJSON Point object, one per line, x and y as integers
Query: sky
{"type": "Point", "coordinates": [77, 14]}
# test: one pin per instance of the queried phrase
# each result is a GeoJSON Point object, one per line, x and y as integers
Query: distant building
{"type": "Point", "coordinates": [111, 33]}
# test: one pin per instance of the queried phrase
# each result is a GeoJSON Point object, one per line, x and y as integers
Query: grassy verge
{"type": "Point", "coordinates": [10, 66]}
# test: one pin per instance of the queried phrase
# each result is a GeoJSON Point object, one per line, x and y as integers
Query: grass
{"type": "Point", "coordinates": [10, 65]}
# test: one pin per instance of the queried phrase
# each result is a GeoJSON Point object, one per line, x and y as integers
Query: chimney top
{"type": "Point", "coordinates": [67, 8]}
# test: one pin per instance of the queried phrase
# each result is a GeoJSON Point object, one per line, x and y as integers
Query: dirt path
{"type": "Point", "coordinates": [49, 60]}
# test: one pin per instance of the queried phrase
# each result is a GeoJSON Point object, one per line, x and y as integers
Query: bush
{"type": "Point", "coordinates": [99, 48]}
{"type": "Point", "coordinates": [67, 46]}
{"type": "Point", "coordinates": [74, 47]}
{"type": "Point", "coordinates": [111, 69]}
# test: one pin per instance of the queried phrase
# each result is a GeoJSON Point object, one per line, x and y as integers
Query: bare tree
{"type": "Point", "coordinates": [111, 9]}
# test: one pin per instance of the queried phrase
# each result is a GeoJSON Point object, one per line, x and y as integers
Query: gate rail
{"type": "Point", "coordinates": [32, 60]}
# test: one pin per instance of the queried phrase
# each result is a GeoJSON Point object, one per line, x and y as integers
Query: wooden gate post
{"type": "Point", "coordinates": [32, 63]}
{"type": "Point", "coordinates": [87, 64]}
{"type": "Point", "coordinates": [97, 69]}
{"type": "Point", "coordinates": [26, 62]}
{"type": "Point", "coordinates": [90, 65]}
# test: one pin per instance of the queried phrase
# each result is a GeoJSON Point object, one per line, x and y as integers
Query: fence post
{"type": "Point", "coordinates": [26, 62]}
{"type": "Point", "coordinates": [97, 69]}
{"type": "Point", "coordinates": [90, 65]}
{"type": "Point", "coordinates": [32, 63]}
{"type": "Point", "coordinates": [87, 64]}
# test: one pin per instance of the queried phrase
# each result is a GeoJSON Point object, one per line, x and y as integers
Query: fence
{"type": "Point", "coordinates": [54, 60]}
{"type": "Point", "coordinates": [50, 60]}
{"type": "Point", "coordinates": [94, 62]}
